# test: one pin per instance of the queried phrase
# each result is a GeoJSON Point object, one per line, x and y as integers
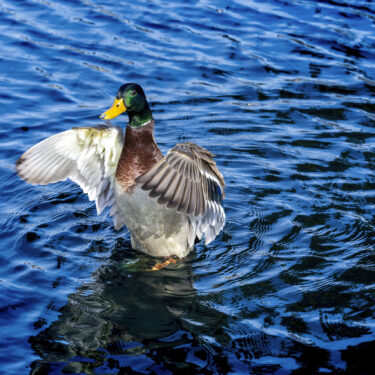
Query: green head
{"type": "Point", "coordinates": [130, 98]}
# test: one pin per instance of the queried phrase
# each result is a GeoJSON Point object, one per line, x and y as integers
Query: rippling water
{"type": "Point", "coordinates": [283, 93]}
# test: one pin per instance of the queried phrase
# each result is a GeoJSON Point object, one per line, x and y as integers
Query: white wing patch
{"type": "Point", "coordinates": [88, 156]}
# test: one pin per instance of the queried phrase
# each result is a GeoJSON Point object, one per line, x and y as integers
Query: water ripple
{"type": "Point", "coordinates": [282, 93]}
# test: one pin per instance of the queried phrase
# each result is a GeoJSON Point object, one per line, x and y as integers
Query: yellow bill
{"type": "Point", "coordinates": [117, 108]}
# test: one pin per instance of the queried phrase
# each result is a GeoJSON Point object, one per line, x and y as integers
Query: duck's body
{"type": "Point", "coordinates": [165, 202]}
{"type": "Point", "coordinates": [155, 229]}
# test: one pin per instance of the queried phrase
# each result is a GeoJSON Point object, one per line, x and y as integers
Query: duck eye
{"type": "Point", "coordinates": [134, 92]}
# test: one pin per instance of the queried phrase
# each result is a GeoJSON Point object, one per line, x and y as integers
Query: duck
{"type": "Point", "coordinates": [168, 203]}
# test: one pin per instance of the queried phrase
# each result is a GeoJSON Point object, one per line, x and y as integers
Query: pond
{"type": "Point", "coordinates": [283, 93]}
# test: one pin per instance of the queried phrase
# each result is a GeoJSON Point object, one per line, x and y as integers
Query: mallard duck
{"type": "Point", "coordinates": [165, 202]}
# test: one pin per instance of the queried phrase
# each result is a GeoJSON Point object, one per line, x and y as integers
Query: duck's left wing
{"type": "Point", "coordinates": [88, 156]}
{"type": "Point", "coordinates": [188, 180]}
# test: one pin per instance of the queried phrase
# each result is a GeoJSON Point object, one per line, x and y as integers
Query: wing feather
{"type": "Point", "coordinates": [154, 175]}
{"type": "Point", "coordinates": [185, 197]}
{"type": "Point", "coordinates": [159, 188]}
{"type": "Point", "coordinates": [88, 156]}
{"type": "Point", "coordinates": [188, 180]}
{"type": "Point", "coordinates": [170, 189]}
{"type": "Point", "coordinates": [177, 194]}
{"type": "Point", "coordinates": [192, 199]}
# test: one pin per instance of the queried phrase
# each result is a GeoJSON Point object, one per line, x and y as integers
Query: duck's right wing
{"type": "Point", "coordinates": [88, 156]}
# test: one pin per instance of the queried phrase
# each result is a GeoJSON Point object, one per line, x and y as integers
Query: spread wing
{"type": "Point", "coordinates": [88, 156]}
{"type": "Point", "coordinates": [188, 180]}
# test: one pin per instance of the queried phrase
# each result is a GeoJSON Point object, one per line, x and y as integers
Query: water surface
{"type": "Point", "coordinates": [283, 93]}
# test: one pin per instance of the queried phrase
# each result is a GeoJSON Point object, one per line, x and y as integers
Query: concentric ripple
{"type": "Point", "coordinates": [283, 93]}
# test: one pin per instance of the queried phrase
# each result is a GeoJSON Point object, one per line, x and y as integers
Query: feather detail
{"type": "Point", "coordinates": [177, 193]}
{"type": "Point", "coordinates": [188, 180]}
{"type": "Point", "coordinates": [88, 156]}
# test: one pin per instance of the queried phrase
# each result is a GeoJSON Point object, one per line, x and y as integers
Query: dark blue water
{"type": "Point", "coordinates": [283, 93]}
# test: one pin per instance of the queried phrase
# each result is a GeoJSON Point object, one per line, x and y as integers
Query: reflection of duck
{"type": "Point", "coordinates": [166, 202]}
{"type": "Point", "coordinates": [122, 312]}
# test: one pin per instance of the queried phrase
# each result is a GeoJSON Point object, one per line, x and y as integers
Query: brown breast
{"type": "Point", "coordinates": [139, 154]}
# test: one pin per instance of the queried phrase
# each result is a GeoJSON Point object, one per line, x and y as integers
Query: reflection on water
{"type": "Point", "coordinates": [123, 314]}
{"type": "Point", "coordinates": [283, 93]}
{"type": "Point", "coordinates": [130, 319]}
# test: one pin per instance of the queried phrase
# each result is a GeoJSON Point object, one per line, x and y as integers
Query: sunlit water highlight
{"type": "Point", "coordinates": [282, 92]}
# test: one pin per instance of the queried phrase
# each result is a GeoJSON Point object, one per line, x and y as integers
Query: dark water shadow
{"type": "Point", "coordinates": [130, 320]}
